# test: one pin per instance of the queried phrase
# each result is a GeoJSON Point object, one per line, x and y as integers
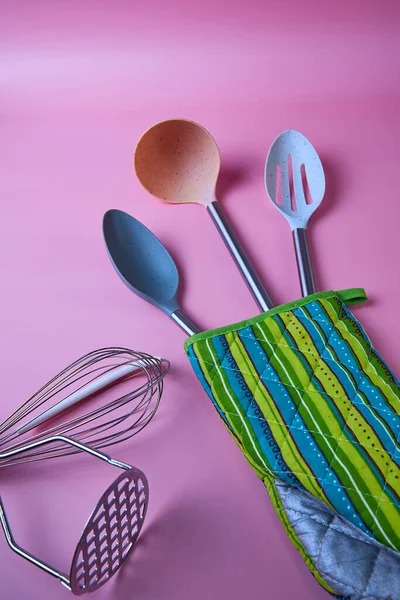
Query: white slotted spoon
{"type": "Point", "coordinates": [292, 166]}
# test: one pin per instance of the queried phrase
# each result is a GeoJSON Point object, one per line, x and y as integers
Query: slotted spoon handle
{"type": "Point", "coordinates": [304, 264]}
{"type": "Point", "coordinates": [238, 254]}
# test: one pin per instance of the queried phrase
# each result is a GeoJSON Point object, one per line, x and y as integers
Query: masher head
{"type": "Point", "coordinates": [110, 533]}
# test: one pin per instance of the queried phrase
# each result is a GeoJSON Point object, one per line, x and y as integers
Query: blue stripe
{"type": "Point", "coordinates": [255, 418]}
{"type": "Point", "coordinates": [195, 362]}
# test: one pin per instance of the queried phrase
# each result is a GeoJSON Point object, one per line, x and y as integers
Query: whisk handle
{"type": "Point", "coordinates": [87, 390]}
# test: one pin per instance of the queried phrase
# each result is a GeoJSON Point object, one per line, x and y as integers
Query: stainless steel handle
{"type": "Point", "coordinates": [66, 440]}
{"type": "Point", "coordinates": [27, 555]}
{"type": "Point", "coordinates": [304, 264]}
{"type": "Point", "coordinates": [242, 261]}
{"type": "Point", "coordinates": [184, 322]}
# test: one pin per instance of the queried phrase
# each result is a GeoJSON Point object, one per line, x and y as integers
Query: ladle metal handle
{"type": "Point", "coordinates": [238, 254]}
{"type": "Point", "coordinates": [304, 264]}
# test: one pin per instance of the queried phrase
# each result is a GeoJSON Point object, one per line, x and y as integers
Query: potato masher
{"type": "Point", "coordinates": [110, 532]}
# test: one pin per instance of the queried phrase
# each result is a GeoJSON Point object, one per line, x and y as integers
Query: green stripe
{"type": "Point", "coordinates": [205, 357]}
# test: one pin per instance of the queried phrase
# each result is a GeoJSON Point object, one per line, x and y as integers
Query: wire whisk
{"type": "Point", "coordinates": [114, 416]}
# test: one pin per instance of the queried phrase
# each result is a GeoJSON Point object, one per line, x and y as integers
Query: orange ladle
{"type": "Point", "coordinates": [178, 162]}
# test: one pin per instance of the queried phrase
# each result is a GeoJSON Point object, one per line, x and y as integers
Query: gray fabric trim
{"type": "Point", "coordinates": [351, 562]}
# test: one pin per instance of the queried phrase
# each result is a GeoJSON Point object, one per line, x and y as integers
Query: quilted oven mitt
{"type": "Point", "coordinates": [315, 411]}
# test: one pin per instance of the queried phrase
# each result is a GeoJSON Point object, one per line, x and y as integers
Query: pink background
{"type": "Point", "coordinates": [80, 81]}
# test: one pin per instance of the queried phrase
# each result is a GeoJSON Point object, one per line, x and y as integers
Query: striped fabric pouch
{"type": "Point", "coordinates": [316, 412]}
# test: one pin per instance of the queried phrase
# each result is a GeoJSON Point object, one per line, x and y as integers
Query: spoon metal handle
{"type": "Point", "coordinates": [304, 264]}
{"type": "Point", "coordinates": [238, 254]}
{"type": "Point", "coordinates": [184, 322]}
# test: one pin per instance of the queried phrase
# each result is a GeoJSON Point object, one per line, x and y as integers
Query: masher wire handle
{"type": "Point", "coordinates": [27, 555]}
{"type": "Point", "coordinates": [3, 518]}
{"type": "Point", "coordinates": [66, 440]}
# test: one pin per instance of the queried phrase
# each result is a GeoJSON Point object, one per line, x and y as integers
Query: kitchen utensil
{"type": "Point", "coordinates": [96, 385]}
{"type": "Point", "coordinates": [123, 412]}
{"type": "Point", "coordinates": [295, 182]}
{"type": "Point", "coordinates": [144, 265]}
{"type": "Point", "coordinates": [112, 528]}
{"type": "Point", "coordinates": [178, 161]}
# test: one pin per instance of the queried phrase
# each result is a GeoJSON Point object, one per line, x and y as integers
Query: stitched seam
{"type": "Point", "coordinates": [300, 390]}
{"type": "Point", "coordinates": [330, 527]}
{"type": "Point", "coordinates": [386, 411]}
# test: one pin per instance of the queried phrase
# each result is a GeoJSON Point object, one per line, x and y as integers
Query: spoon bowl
{"type": "Point", "coordinates": [178, 161]}
{"type": "Point", "coordinates": [293, 160]}
{"type": "Point", "coordinates": [144, 264]}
